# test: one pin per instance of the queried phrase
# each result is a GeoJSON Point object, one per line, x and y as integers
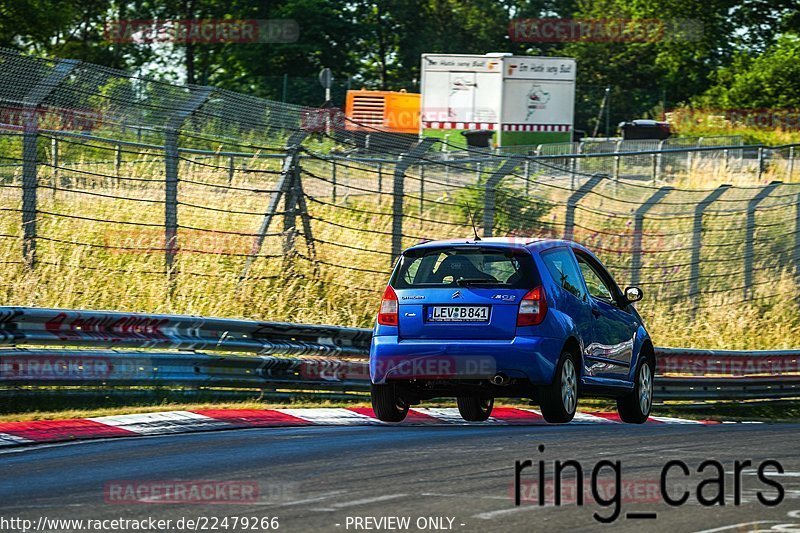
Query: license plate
{"type": "Point", "coordinates": [458, 313]}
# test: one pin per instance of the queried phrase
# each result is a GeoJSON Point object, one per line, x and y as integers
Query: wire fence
{"type": "Point", "coordinates": [128, 193]}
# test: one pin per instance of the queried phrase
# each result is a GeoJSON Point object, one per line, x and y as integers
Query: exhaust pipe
{"type": "Point", "coordinates": [500, 379]}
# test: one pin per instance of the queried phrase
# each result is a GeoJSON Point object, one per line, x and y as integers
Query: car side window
{"type": "Point", "coordinates": [564, 271]}
{"type": "Point", "coordinates": [597, 287]}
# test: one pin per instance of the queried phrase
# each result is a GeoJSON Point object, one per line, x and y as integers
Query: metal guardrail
{"type": "Point", "coordinates": [685, 374]}
{"type": "Point", "coordinates": [112, 329]}
{"type": "Point", "coordinates": [109, 368]}
{"type": "Point", "coordinates": [109, 349]}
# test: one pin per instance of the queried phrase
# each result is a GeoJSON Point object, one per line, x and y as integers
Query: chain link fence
{"type": "Point", "coordinates": [125, 193]}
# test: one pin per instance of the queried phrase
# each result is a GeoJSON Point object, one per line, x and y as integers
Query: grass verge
{"type": "Point", "coordinates": [47, 409]}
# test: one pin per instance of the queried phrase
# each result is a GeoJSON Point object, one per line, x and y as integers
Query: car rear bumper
{"type": "Point", "coordinates": [532, 358]}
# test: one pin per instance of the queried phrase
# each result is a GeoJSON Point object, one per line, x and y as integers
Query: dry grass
{"type": "Point", "coordinates": [705, 123]}
{"type": "Point", "coordinates": [352, 245]}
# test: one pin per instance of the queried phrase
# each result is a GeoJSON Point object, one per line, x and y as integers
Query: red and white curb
{"type": "Point", "coordinates": [169, 422]}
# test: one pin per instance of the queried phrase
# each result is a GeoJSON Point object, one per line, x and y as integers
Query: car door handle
{"type": "Point", "coordinates": [596, 312]}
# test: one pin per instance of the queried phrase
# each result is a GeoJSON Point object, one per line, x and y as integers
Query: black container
{"type": "Point", "coordinates": [644, 129]}
{"type": "Point", "coordinates": [478, 138]}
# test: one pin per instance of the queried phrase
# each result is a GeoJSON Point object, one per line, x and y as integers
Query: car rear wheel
{"type": "Point", "coordinates": [559, 400]}
{"type": "Point", "coordinates": [387, 404]}
{"type": "Point", "coordinates": [475, 409]}
{"type": "Point", "coordinates": [634, 408]}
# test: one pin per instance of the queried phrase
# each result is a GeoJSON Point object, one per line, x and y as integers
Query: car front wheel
{"type": "Point", "coordinates": [559, 400]}
{"type": "Point", "coordinates": [634, 408]}
{"type": "Point", "coordinates": [387, 404]}
{"type": "Point", "coordinates": [475, 409]}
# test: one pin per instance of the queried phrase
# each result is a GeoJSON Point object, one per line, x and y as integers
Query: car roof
{"type": "Point", "coordinates": [532, 244]}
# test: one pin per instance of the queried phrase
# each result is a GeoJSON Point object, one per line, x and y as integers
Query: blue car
{"type": "Point", "coordinates": [506, 317]}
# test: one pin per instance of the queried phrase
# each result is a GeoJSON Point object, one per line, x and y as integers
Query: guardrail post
{"type": "Point", "coordinates": [171, 159]}
{"type": "Point", "coordinates": [490, 193]}
{"type": "Point", "coordinates": [231, 170]}
{"type": "Point", "coordinates": [572, 203]}
{"type": "Point", "coordinates": [573, 162]}
{"type": "Point", "coordinates": [760, 162]}
{"type": "Point", "coordinates": [655, 168]}
{"type": "Point", "coordinates": [30, 143]}
{"type": "Point", "coordinates": [797, 241]}
{"type": "Point", "coordinates": [750, 230]}
{"type": "Point", "coordinates": [117, 160]}
{"type": "Point", "coordinates": [616, 160]}
{"type": "Point", "coordinates": [290, 166]}
{"type": "Point", "coordinates": [421, 191]}
{"type": "Point", "coordinates": [527, 177]}
{"type": "Point", "coordinates": [697, 241]}
{"type": "Point", "coordinates": [638, 228]}
{"type": "Point", "coordinates": [54, 158]}
{"type": "Point", "coordinates": [333, 181]}
{"type": "Point", "coordinates": [572, 182]}
{"type": "Point", "coordinates": [398, 194]}
{"type": "Point", "coordinates": [790, 166]}
{"type": "Point", "coordinates": [380, 184]}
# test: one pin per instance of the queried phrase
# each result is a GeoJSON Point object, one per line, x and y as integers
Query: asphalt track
{"type": "Point", "coordinates": [314, 478]}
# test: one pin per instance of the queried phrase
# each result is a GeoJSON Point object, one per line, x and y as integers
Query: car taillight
{"type": "Point", "coordinates": [387, 316]}
{"type": "Point", "coordinates": [532, 308]}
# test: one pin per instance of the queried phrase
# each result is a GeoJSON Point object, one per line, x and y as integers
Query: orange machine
{"type": "Point", "coordinates": [396, 112]}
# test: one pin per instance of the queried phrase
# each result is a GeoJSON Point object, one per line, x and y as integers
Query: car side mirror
{"type": "Point", "coordinates": [633, 294]}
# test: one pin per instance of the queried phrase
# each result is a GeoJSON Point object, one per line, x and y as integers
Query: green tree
{"type": "Point", "coordinates": [391, 35]}
{"type": "Point", "coordinates": [379, 42]}
{"type": "Point", "coordinates": [64, 28]}
{"type": "Point", "coordinates": [515, 213]}
{"type": "Point", "coordinates": [672, 66]}
{"type": "Point", "coordinates": [767, 80]}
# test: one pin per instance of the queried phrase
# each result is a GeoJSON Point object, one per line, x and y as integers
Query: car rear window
{"type": "Point", "coordinates": [480, 267]}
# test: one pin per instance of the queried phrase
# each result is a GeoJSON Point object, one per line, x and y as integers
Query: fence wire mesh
{"type": "Point", "coordinates": [127, 193]}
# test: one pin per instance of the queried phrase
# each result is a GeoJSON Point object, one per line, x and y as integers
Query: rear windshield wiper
{"type": "Point", "coordinates": [478, 281]}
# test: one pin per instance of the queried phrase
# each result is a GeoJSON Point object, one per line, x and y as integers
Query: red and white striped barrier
{"type": "Point", "coordinates": [170, 422]}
